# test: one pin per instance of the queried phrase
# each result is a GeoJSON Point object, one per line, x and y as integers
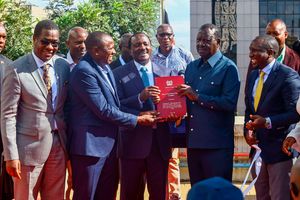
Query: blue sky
{"type": "Point", "coordinates": [179, 16]}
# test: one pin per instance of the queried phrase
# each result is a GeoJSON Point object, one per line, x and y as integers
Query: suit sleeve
{"type": "Point", "coordinates": [290, 92]}
{"type": "Point", "coordinates": [10, 97]}
{"type": "Point", "coordinates": [227, 100]}
{"type": "Point", "coordinates": [88, 89]}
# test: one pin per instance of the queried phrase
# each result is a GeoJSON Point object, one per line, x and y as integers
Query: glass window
{"type": "Point", "coordinates": [297, 21]}
{"type": "Point", "coordinates": [289, 8]}
{"type": "Point", "coordinates": [272, 7]}
{"type": "Point", "coordinates": [263, 8]}
{"type": "Point", "coordinates": [289, 21]}
{"type": "Point", "coordinates": [263, 21]}
{"type": "Point", "coordinates": [297, 7]}
{"type": "Point", "coordinates": [280, 7]}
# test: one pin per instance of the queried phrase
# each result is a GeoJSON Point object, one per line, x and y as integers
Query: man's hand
{"type": "Point", "coordinates": [287, 144]}
{"type": "Point", "coordinates": [256, 122]}
{"type": "Point", "coordinates": [147, 118]}
{"type": "Point", "coordinates": [69, 181]}
{"type": "Point", "coordinates": [171, 118]}
{"type": "Point", "coordinates": [250, 138]}
{"type": "Point", "coordinates": [152, 92]}
{"type": "Point", "coordinates": [186, 90]}
{"type": "Point", "coordinates": [13, 168]}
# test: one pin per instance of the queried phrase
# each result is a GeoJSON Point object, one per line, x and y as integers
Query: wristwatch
{"type": "Point", "coordinates": [268, 124]}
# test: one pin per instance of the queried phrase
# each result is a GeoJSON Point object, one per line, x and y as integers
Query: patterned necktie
{"type": "Point", "coordinates": [47, 79]}
{"type": "Point", "coordinates": [145, 77]}
{"type": "Point", "coordinates": [259, 88]}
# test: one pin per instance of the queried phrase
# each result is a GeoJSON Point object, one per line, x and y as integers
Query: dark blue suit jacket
{"type": "Point", "coordinates": [137, 143]}
{"type": "Point", "coordinates": [95, 115]}
{"type": "Point", "coordinates": [211, 118]}
{"type": "Point", "coordinates": [278, 101]}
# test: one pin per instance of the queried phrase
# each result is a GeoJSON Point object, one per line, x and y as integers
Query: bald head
{"type": "Point", "coordinates": [75, 43]}
{"type": "Point", "coordinates": [101, 47]}
{"type": "Point", "coordinates": [277, 29]}
{"type": "Point", "coordinates": [123, 46]}
{"type": "Point", "coordinates": [2, 37]}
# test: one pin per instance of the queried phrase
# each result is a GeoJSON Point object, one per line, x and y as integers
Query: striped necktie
{"type": "Point", "coordinates": [259, 88]}
{"type": "Point", "coordinates": [47, 79]}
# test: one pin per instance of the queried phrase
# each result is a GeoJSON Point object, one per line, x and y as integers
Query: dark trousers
{"type": "Point", "coordinates": [133, 172]}
{"type": "Point", "coordinates": [95, 178]}
{"type": "Point", "coordinates": [207, 163]}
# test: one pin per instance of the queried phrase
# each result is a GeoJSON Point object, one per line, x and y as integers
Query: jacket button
{"type": "Point", "coordinates": [202, 103]}
{"type": "Point", "coordinates": [212, 83]}
{"type": "Point", "coordinates": [200, 77]}
{"type": "Point", "coordinates": [212, 107]}
{"type": "Point", "coordinates": [192, 129]}
{"type": "Point", "coordinates": [192, 116]}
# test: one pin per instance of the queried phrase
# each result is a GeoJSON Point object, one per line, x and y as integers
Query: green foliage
{"type": "Point", "coordinates": [18, 23]}
{"type": "Point", "coordinates": [111, 16]}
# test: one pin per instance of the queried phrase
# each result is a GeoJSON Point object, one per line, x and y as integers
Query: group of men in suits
{"type": "Point", "coordinates": [106, 115]}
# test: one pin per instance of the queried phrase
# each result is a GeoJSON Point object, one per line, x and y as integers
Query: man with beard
{"type": "Point", "coordinates": [173, 61]}
{"type": "Point", "coordinates": [144, 151]}
{"type": "Point", "coordinates": [212, 89]}
{"type": "Point", "coordinates": [6, 183]}
{"type": "Point", "coordinates": [76, 46]}
{"type": "Point", "coordinates": [270, 98]}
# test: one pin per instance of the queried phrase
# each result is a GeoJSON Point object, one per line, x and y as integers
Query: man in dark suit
{"type": "Point", "coordinates": [6, 183]}
{"type": "Point", "coordinates": [270, 97]}
{"type": "Point", "coordinates": [95, 120]}
{"type": "Point", "coordinates": [286, 55]}
{"type": "Point", "coordinates": [144, 150]}
{"type": "Point", "coordinates": [212, 89]}
{"type": "Point", "coordinates": [125, 56]}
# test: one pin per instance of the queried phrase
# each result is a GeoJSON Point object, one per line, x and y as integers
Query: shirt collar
{"type": "Point", "coordinates": [70, 59]}
{"type": "Point", "coordinates": [214, 58]}
{"type": "Point", "coordinates": [104, 69]}
{"type": "Point", "coordinates": [148, 66]}
{"type": "Point", "coordinates": [41, 63]}
{"type": "Point", "coordinates": [121, 60]}
{"type": "Point", "coordinates": [267, 69]}
{"type": "Point", "coordinates": [157, 52]}
{"type": "Point", "coordinates": [280, 58]}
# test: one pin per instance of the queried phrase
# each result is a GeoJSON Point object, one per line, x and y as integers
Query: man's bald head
{"type": "Point", "coordinates": [277, 29]}
{"type": "Point", "coordinates": [101, 47]}
{"type": "Point", "coordinates": [75, 42]}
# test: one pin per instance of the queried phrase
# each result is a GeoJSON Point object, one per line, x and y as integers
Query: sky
{"type": "Point", "coordinates": [179, 17]}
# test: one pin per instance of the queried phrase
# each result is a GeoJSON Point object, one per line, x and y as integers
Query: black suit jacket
{"type": "Point", "coordinates": [114, 64]}
{"type": "Point", "coordinates": [137, 143]}
{"type": "Point", "coordinates": [278, 101]}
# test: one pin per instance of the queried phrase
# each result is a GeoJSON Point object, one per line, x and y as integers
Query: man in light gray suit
{"type": "Point", "coordinates": [33, 130]}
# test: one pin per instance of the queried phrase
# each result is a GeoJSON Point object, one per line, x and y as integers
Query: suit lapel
{"type": "Point", "coordinates": [33, 69]}
{"type": "Point", "coordinates": [102, 78]}
{"type": "Point", "coordinates": [252, 79]}
{"type": "Point", "coordinates": [59, 80]}
{"type": "Point", "coordinates": [267, 85]}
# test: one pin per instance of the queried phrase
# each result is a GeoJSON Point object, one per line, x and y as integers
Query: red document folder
{"type": "Point", "coordinates": [169, 100]}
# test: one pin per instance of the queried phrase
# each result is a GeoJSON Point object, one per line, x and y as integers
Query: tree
{"type": "Point", "coordinates": [111, 16]}
{"type": "Point", "coordinates": [18, 23]}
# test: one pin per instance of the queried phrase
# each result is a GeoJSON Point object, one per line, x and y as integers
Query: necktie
{"type": "Point", "coordinates": [259, 89]}
{"type": "Point", "coordinates": [145, 76]}
{"type": "Point", "coordinates": [47, 79]}
{"type": "Point", "coordinates": [280, 58]}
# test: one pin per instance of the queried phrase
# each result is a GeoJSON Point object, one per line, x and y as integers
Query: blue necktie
{"type": "Point", "coordinates": [145, 76]}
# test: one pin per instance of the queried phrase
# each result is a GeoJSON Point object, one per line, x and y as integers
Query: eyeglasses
{"type": "Point", "coordinates": [46, 42]}
{"type": "Point", "coordinates": [169, 35]}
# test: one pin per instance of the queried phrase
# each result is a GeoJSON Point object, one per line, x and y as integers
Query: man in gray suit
{"type": "Point", "coordinates": [33, 130]}
{"type": "Point", "coordinates": [6, 183]}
